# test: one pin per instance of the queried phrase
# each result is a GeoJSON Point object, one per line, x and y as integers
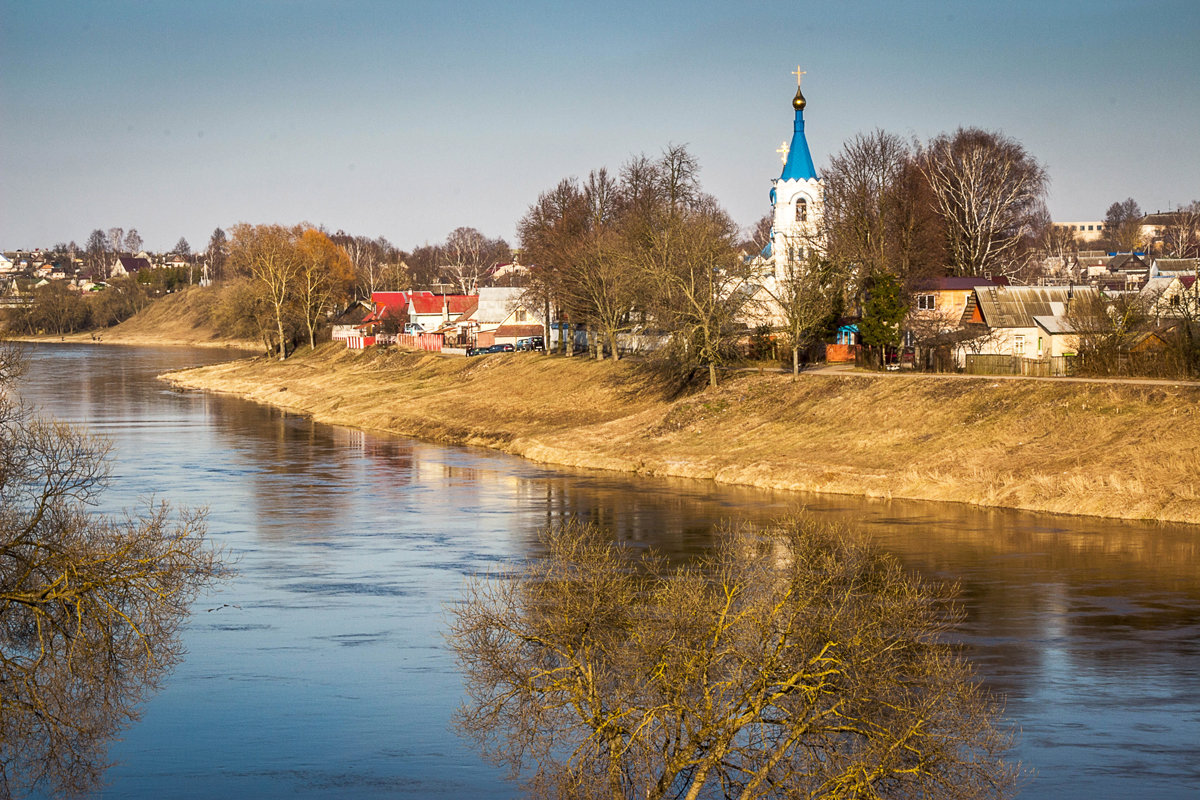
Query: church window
{"type": "Point", "coordinates": [801, 210]}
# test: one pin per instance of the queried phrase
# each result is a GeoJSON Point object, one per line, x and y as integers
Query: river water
{"type": "Point", "coordinates": [321, 670]}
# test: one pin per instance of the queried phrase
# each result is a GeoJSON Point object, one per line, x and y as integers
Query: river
{"type": "Point", "coordinates": [321, 670]}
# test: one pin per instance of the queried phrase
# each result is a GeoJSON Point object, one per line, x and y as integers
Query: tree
{"type": "Point", "coordinates": [218, 252]}
{"type": "Point", "coordinates": [469, 254]}
{"type": "Point", "coordinates": [116, 240]}
{"type": "Point", "coordinates": [1123, 226]}
{"type": "Point", "coordinates": [796, 661]}
{"type": "Point", "coordinates": [808, 295]}
{"type": "Point", "coordinates": [133, 241]}
{"type": "Point", "coordinates": [269, 255]}
{"type": "Point", "coordinates": [883, 312]}
{"type": "Point", "coordinates": [1181, 239]}
{"type": "Point", "coordinates": [90, 607]}
{"type": "Point", "coordinates": [54, 309]}
{"type": "Point", "coordinates": [182, 248]}
{"type": "Point", "coordinates": [325, 276]}
{"type": "Point", "coordinates": [988, 190]}
{"type": "Point", "coordinates": [879, 212]}
{"type": "Point", "coordinates": [685, 246]}
{"type": "Point", "coordinates": [97, 253]}
{"type": "Point", "coordinates": [550, 234]}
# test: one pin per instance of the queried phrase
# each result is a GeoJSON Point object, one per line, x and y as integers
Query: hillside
{"type": "Point", "coordinates": [181, 318]}
{"type": "Point", "coordinates": [1116, 450]}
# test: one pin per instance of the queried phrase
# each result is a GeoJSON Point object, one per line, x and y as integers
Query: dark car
{"type": "Point", "coordinates": [500, 348]}
{"type": "Point", "coordinates": [532, 343]}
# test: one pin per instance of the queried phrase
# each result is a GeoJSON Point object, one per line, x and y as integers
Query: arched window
{"type": "Point", "coordinates": [801, 210]}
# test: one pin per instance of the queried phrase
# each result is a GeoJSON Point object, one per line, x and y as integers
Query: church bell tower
{"type": "Point", "coordinates": [797, 197]}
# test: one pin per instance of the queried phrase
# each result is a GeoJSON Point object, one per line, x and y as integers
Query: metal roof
{"type": "Point", "coordinates": [1016, 306]}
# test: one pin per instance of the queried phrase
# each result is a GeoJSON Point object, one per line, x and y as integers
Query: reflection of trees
{"type": "Point", "coordinates": [306, 477]}
{"type": "Point", "coordinates": [90, 608]}
{"type": "Point", "coordinates": [792, 661]}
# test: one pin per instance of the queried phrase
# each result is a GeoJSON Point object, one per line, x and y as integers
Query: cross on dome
{"type": "Point", "coordinates": [783, 152]}
{"type": "Point", "coordinates": [799, 73]}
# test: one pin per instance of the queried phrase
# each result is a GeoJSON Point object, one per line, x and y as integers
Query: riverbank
{"type": "Point", "coordinates": [1111, 450]}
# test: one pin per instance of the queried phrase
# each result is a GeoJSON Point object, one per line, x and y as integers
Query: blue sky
{"type": "Point", "coordinates": [408, 119]}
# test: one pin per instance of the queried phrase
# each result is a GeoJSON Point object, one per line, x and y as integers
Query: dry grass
{"type": "Point", "coordinates": [179, 319]}
{"type": "Point", "coordinates": [1107, 450]}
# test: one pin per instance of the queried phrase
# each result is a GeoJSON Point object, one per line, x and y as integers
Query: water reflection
{"type": "Point", "coordinates": [323, 671]}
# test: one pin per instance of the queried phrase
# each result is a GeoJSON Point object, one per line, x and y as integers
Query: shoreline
{"type": "Point", "coordinates": [1083, 449]}
{"type": "Point", "coordinates": [138, 341]}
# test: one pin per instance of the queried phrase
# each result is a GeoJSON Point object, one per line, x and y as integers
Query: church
{"type": "Point", "coordinates": [797, 206]}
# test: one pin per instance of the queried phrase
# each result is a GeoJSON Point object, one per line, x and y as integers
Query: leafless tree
{"type": "Point", "coordinates": [988, 190]}
{"type": "Point", "coordinates": [116, 240]}
{"type": "Point", "coordinates": [133, 241]}
{"type": "Point", "coordinates": [797, 661]}
{"type": "Point", "coordinates": [549, 233]}
{"type": "Point", "coordinates": [1106, 328]}
{"type": "Point", "coordinates": [808, 296]}
{"type": "Point", "coordinates": [879, 212]}
{"type": "Point", "coordinates": [1055, 243]}
{"type": "Point", "coordinates": [97, 253]}
{"type": "Point", "coordinates": [90, 607]}
{"type": "Point", "coordinates": [218, 254]}
{"type": "Point", "coordinates": [469, 254]}
{"type": "Point", "coordinates": [1123, 226]}
{"type": "Point", "coordinates": [1181, 239]}
{"type": "Point", "coordinates": [378, 265]}
{"type": "Point", "coordinates": [269, 255]}
{"type": "Point", "coordinates": [325, 277]}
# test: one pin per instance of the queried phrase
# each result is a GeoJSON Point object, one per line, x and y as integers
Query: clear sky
{"type": "Point", "coordinates": [408, 119]}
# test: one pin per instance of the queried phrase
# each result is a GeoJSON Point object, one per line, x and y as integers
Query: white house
{"type": "Point", "coordinates": [1026, 321]}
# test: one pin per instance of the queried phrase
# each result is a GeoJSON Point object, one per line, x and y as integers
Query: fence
{"type": "Point", "coordinates": [359, 342]}
{"type": "Point", "coordinates": [421, 341]}
{"type": "Point", "coordinates": [1055, 366]}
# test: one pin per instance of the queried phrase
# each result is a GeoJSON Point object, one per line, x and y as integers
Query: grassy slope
{"type": "Point", "coordinates": [181, 318]}
{"type": "Point", "coordinates": [1101, 449]}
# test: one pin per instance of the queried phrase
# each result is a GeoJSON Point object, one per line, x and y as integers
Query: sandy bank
{"type": "Point", "coordinates": [1124, 451]}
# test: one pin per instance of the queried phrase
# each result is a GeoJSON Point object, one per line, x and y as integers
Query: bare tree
{"type": "Point", "coordinates": [879, 212]}
{"type": "Point", "coordinates": [97, 253]}
{"type": "Point", "coordinates": [1123, 226]}
{"type": "Point", "coordinates": [268, 254]}
{"type": "Point", "coordinates": [550, 234]}
{"type": "Point", "coordinates": [116, 240]}
{"type": "Point", "coordinates": [378, 265]}
{"type": "Point", "coordinates": [90, 607]}
{"type": "Point", "coordinates": [1181, 239]}
{"type": "Point", "coordinates": [133, 241]}
{"type": "Point", "coordinates": [797, 661]}
{"type": "Point", "coordinates": [325, 275]}
{"type": "Point", "coordinates": [469, 254]}
{"type": "Point", "coordinates": [988, 190]}
{"type": "Point", "coordinates": [218, 253]}
{"type": "Point", "coordinates": [808, 297]}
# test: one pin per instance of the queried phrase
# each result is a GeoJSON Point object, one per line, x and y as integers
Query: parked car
{"type": "Point", "coordinates": [501, 348]}
{"type": "Point", "coordinates": [532, 343]}
{"type": "Point", "coordinates": [413, 328]}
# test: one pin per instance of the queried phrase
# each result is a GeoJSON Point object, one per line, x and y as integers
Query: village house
{"type": "Point", "coordinates": [128, 265]}
{"type": "Point", "coordinates": [1028, 322]}
{"type": "Point", "coordinates": [502, 317]}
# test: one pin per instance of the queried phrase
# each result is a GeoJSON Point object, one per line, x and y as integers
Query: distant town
{"type": "Point", "coordinates": [937, 256]}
